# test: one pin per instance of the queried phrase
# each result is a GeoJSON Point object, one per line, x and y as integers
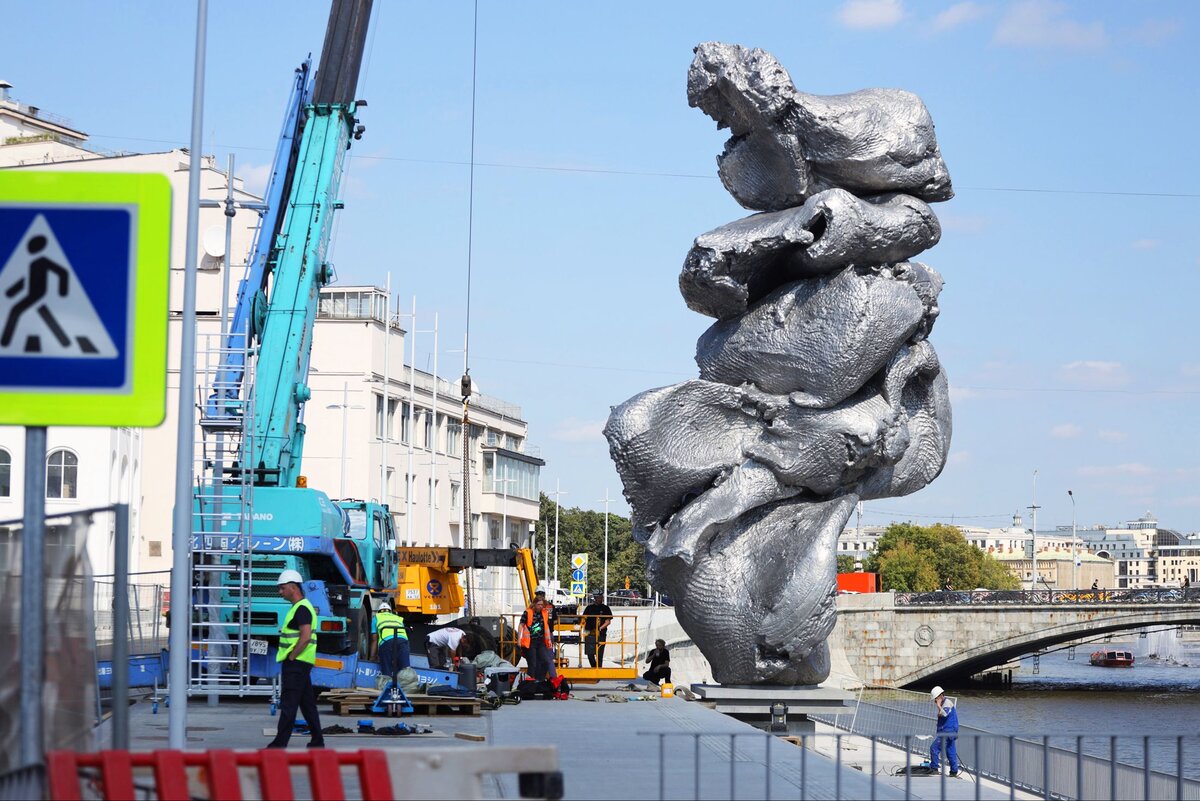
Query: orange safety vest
{"type": "Point", "coordinates": [527, 623]}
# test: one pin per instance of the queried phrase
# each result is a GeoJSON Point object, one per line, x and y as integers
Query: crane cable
{"type": "Point", "coordinates": [469, 534]}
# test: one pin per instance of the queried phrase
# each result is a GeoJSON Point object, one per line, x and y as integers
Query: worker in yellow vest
{"type": "Point", "coordinates": [297, 654]}
{"type": "Point", "coordinates": [389, 640]}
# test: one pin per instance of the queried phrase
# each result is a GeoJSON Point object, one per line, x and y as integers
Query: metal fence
{"type": "Point", "coordinates": [1053, 766]}
{"type": "Point", "coordinates": [147, 629]}
{"type": "Point", "coordinates": [1038, 597]}
{"type": "Point", "coordinates": [848, 766]}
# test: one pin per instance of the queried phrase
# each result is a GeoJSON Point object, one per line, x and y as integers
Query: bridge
{"type": "Point", "coordinates": [902, 639]}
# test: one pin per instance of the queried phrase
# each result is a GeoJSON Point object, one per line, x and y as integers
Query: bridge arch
{"type": "Point", "coordinates": [879, 642]}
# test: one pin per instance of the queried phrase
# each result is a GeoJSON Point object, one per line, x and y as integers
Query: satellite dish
{"type": "Point", "coordinates": [214, 241]}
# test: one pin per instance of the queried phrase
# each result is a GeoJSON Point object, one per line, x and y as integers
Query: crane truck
{"type": "Point", "coordinates": [253, 514]}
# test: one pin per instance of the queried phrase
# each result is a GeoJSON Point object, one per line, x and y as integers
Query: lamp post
{"type": "Point", "coordinates": [1074, 546]}
{"type": "Point", "coordinates": [1033, 510]}
{"type": "Point", "coordinates": [557, 492]}
{"type": "Point", "coordinates": [606, 500]}
{"type": "Point", "coordinates": [344, 406]}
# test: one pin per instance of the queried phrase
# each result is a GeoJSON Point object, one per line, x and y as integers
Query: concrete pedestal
{"type": "Point", "coordinates": [752, 703]}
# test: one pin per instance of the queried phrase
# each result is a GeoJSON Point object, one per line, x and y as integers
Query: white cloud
{"type": "Point", "coordinates": [959, 457]}
{"type": "Point", "coordinates": [1127, 469]}
{"type": "Point", "coordinates": [961, 394]}
{"type": "Point", "coordinates": [959, 14]}
{"type": "Point", "coordinates": [963, 223]}
{"type": "Point", "coordinates": [1145, 244]}
{"type": "Point", "coordinates": [1190, 370]}
{"type": "Point", "coordinates": [573, 430]}
{"type": "Point", "coordinates": [1154, 31]}
{"type": "Point", "coordinates": [1066, 431]}
{"type": "Point", "coordinates": [1096, 373]}
{"type": "Point", "coordinates": [1043, 24]}
{"type": "Point", "coordinates": [862, 14]}
{"type": "Point", "coordinates": [254, 177]}
{"type": "Point", "coordinates": [1112, 436]}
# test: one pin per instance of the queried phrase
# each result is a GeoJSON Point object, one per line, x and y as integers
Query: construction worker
{"type": "Point", "coordinates": [947, 732]}
{"type": "Point", "coordinates": [297, 654]}
{"type": "Point", "coordinates": [389, 641]}
{"type": "Point", "coordinates": [535, 636]}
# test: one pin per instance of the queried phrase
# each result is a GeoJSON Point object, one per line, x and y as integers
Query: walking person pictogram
{"type": "Point", "coordinates": [36, 283]}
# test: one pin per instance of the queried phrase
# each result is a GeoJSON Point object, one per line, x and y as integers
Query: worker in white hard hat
{"type": "Point", "coordinates": [389, 641]}
{"type": "Point", "coordinates": [297, 654]}
{"type": "Point", "coordinates": [947, 732]}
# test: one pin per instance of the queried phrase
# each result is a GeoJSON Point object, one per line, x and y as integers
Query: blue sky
{"type": "Point", "coordinates": [1069, 253]}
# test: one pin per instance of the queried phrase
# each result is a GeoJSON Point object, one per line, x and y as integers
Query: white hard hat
{"type": "Point", "coordinates": [384, 607]}
{"type": "Point", "coordinates": [289, 577]}
{"type": "Point", "coordinates": [935, 692]}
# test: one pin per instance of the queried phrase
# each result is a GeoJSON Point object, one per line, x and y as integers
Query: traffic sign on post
{"type": "Point", "coordinates": [84, 264]}
{"type": "Point", "coordinates": [579, 563]}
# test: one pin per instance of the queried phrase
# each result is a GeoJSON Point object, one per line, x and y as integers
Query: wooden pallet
{"type": "Point", "coordinates": [348, 702]}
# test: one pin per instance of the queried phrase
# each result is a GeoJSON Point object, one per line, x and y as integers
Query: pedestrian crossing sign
{"type": "Point", "coordinates": [84, 260]}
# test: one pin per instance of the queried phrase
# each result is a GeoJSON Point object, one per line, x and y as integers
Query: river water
{"type": "Point", "coordinates": [1158, 696]}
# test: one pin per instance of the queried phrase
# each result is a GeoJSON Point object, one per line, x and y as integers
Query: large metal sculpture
{"type": "Point", "coordinates": [817, 385]}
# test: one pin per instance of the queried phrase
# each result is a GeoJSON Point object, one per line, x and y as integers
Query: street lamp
{"type": "Point", "coordinates": [1074, 547]}
{"type": "Point", "coordinates": [1033, 510]}
{"type": "Point", "coordinates": [606, 502]}
{"type": "Point", "coordinates": [344, 406]}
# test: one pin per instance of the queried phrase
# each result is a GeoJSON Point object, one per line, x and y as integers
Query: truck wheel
{"type": "Point", "coordinates": [364, 630]}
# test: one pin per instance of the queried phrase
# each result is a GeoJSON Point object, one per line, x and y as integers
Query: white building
{"type": "Point", "coordinates": [352, 432]}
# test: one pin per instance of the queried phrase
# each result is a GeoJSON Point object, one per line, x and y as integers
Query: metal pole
{"type": "Point", "coordinates": [120, 674]}
{"type": "Point", "coordinates": [33, 596]}
{"type": "Point", "coordinates": [230, 211]}
{"type": "Point", "coordinates": [409, 482]}
{"type": "Point", "coordinates": [1074, 548]}
{"type": "Point", "coordinates": [606, 501]}
{"type": "Point", "coordinates": [557, 493]}
{"type": "Point", "coordinates": [181, 602]}
{"type": "Point", "coordinates": [437, 435]}
{"type": "Point", "coordinates": [345, 411]}
{"type": "Point", "coordinates": [385, 432]}
{"type": "Point", "coordinates": [1033, 509]}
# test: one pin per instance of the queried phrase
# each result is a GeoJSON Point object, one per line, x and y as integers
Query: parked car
{"type": "Point", "coordinates": [625, 598]}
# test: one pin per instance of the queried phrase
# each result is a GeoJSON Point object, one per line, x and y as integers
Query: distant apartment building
{"type": "Point", "coordinates": [1060, 570]}
{"type": "Point", "coordinates": [377, 429]}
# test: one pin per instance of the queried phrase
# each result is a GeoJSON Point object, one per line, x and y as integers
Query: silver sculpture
{"type": "Point", "coordinates": [817, 386]}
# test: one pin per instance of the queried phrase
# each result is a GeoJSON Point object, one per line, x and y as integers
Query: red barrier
{"type": "Point", "coordinates": [113, 773]}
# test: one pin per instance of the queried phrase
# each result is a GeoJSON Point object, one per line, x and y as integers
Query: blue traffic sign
{"type": "Point", "coordinates": [577, 575]}
{"type": "Point", "coordinates": [83, 289]}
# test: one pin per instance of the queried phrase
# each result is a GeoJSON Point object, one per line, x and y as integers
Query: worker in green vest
{"type": "Point", "coordinates": [297, 654]}
{"type": "Point", "coordinates": [389, 640]}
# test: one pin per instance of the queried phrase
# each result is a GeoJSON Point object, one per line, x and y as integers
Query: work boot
{"type": "Point", "coordinates": [316, 744]}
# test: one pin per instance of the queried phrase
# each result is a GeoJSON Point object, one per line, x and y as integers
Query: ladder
{"type": "Point", "coordinates": [222, 525]}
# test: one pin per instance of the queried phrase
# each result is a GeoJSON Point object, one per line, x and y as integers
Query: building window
{"type": "Point", "coordinates": [5, 473]}
{"type": "Point", "coordinates": [454, 499]}
{"type": "Point", "coordinates": [453, 435]}
{"type": "Point", "coordinates": [428, 429]}
{"type": "Point", "coordinates": [62, 473]}
{"type": "Point", "coordinates": [380, 431]}
{"type": "Point", "coordinates": [404, 422]}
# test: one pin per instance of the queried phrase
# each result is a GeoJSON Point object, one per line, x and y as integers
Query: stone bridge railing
{"type": "Point", "coordinates": [898, 640]}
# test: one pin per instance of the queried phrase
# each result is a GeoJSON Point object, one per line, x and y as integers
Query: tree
{"type": "Point", "coordinates": [845, 563]}
{"type": "Point", "coordinates": [906, 568]}
{"type": "Point", "coordinates": [582, 531]}
{"type": "Point", "coordinates": [953, 562]}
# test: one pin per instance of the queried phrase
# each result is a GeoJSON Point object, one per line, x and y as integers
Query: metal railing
{"type": "Point", "coordinates": [146, 629]}
{"type": "Point", "coordinates": [835, 766]}
{"type": "Point", "coordinates": [1057, 597]}
{"type": "Point", "coordinates": [620, 657]}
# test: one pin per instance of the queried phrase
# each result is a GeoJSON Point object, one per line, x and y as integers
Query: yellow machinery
{"type": "Point", "coordinates": [427, 581]}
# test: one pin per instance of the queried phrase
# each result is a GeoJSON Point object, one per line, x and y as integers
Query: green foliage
{"type": "Point", "coordinates": [915, 558]}
{"type": "Point", "coordinates": [845, 563]}
{"type": "Point", "coordinates": [582, 531]}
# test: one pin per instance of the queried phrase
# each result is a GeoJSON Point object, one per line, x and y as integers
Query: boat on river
{"type": "Point", "coordinates": [1112, 658]}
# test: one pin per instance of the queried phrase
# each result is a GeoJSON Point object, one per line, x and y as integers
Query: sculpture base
{"type": "Point", "coordinates": [752, 703]}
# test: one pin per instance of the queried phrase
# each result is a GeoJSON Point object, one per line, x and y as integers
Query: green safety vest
{"type": "Point", "coordinates": [288, 636]}
{"type": "Point", "coordinates": [386, 621]}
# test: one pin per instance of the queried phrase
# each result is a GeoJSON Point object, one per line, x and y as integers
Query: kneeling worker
{"type": "Point", "coordinates": [389, 641]}
{"type": "Point", "coordinates": [297, 653]}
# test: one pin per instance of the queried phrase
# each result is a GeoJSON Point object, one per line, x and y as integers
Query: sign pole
{"type": "Point", "coordinates": [181, 540]}
{"type": "Point", "coordinates": [33, 596]}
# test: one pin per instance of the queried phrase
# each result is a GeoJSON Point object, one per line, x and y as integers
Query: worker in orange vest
{"type": "Point", "coordinates": [535, 636]}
